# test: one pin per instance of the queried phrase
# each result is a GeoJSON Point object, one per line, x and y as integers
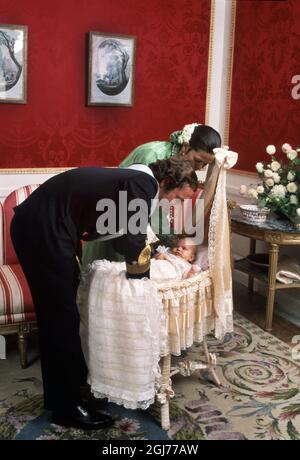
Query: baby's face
{"type": "Point", "coordinates": [185, 251]}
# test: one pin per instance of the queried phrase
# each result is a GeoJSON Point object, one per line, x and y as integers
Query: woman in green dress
{"type": "Point", "coordinates": [195, 143]}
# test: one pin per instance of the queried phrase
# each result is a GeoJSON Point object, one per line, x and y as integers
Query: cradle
{"type": "Point", "coordinates": [192, 308]}
{"type": "Point", "coordinates": [189, 317]}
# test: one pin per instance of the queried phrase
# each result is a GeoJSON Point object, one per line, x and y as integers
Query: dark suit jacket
{"type": "Point", "coordinates": [62, 211]}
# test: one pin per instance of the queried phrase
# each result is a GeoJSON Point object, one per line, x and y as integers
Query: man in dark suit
{"type": "Point", "coordinates": [47, 230]}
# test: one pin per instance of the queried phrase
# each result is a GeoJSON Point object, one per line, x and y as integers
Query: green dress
{"type": "Point", "coordinates": [145, 154]}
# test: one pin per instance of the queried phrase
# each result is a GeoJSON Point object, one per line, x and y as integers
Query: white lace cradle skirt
{"type": "Point", "coordinates": [127, 325]}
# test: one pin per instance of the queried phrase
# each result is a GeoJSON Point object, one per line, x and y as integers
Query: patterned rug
{"type": "Point", "coordinates": [259, 397]}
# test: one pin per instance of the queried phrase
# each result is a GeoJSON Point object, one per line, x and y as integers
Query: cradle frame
{"type": "Point", "coordinates": [185, 367]}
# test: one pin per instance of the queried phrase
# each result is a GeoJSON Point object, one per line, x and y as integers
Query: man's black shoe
{"type": "Point", "coordinates": [89, 400]}
{"type": "Point", "coordinates": [82, 418]}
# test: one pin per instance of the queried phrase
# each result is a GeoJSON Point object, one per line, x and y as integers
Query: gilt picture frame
{"type": "Point", "coordinates": [13, 63]}
{"type": "Point", "coordinates": [111, 69]}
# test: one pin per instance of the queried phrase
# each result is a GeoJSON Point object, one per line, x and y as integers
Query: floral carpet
{"type": "Point", "coordinates": [259, 397]}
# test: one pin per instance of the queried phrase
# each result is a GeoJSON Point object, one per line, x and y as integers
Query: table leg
{"type": "Point", "coordinates": [273, 260]}
{"type": "Point", "coordinates": [163, 395]}
{"type": "Point", "coordinates": [251, 277]}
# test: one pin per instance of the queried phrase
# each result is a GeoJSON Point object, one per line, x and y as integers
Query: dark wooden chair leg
{"type": "Point", "coordinates": [22, 340]}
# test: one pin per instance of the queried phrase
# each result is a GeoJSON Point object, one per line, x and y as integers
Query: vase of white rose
{"type": "Point", "coordinates": [280, 187]}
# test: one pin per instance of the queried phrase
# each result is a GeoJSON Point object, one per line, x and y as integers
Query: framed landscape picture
{"type": "Point", "coordinates": [13, 64]}
{"type": "Point", "coordinates": [111, 69]}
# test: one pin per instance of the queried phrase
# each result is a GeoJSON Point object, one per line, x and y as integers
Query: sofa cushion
{"type": "Point", "coordinates": [15, 299]}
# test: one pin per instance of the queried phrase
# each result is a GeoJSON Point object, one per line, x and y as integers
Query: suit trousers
{"type": "Point", "coordinates": [53, 280]}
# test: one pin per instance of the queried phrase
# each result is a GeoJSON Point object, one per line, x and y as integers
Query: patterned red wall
{"type": "Point", "coordinates": [266, 56]}
{"type": "Point", "coordinates": [56, 127]}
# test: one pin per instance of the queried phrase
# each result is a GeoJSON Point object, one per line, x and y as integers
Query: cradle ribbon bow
{"type": "Point", "coordinates": [224, 157]}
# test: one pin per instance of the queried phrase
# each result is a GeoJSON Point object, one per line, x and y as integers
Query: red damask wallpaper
{"type": "Point", "coordinates": [266, 57]}
{"type": "Point", "coordinates": [56, 127]}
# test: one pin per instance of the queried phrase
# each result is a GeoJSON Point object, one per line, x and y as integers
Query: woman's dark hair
{"type": "Point", "coordinates": [176, 172]}
{"type": "Point", "coordinates": [205, 138]}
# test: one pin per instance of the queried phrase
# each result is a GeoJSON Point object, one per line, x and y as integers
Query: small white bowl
{"type": "Point", "coordinates": [254, 214]}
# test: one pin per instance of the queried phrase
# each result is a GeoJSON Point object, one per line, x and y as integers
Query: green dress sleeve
{"type": "Point", "coordinates": [148, 153]}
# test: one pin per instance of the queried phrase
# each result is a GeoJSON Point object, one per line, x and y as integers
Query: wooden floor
{"type": "Point", "coordinates": [253, 307]}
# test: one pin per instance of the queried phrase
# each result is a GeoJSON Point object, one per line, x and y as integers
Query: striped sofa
{"type": "Point", "coordinates": [17, 313]}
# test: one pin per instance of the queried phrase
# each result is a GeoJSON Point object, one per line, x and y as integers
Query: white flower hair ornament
{"type": "Point", "coordinates": [186, 133]}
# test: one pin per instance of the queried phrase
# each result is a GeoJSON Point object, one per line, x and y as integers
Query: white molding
{"type": "Point", "coordinates": [220, 65]}
{"type": "Point", "coordinates": [11, 181]}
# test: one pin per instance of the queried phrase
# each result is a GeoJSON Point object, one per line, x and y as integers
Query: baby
{"type": "Point", "coordinates": [178, 261]}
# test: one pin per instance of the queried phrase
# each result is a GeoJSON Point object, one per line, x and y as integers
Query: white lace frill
{"type": "Point", "coordinates": [119, 333]}
{"type": "Point", "coordinates": [127, 325]}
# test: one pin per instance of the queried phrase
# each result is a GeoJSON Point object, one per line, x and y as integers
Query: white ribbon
{"type": "Point", "coordinates": [219, 246]}
{"type": "Point", "coordinates": [224, 157]}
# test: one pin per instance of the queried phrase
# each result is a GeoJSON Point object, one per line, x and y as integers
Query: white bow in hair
{"type": "Point", "coordinates": [224, 157]}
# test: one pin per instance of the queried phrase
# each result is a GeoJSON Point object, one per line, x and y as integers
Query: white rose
{"type": "Point", "coordinates": [291, 176]}
{"type": "Point", "coordinates": [291, 187]}
{"type": "Point", "coordinates": [269, 182]}
{"type": "Point", "coordinates": [293, 199]}
{"type": "Point", "coordinates": [243, 189]}
{"type": "Point", "coordinates": [271, 149]}
{"type": "Point", "coordinates": [298, 211]}
{"type": "Point", "coordinates": [259, 167]}
{"type": "Point", "coordinates": [286, 148]}
{"type": "Point", "coordinates": [276, 178]}
{"type": "Point", "coordinates": [275, 165]}
{"type": "Point", "coordinates": [260, 189]}
{"type": "Point", "coordinates": [292, 155]}
{"type": "Point", "coordinates": [252, 193]}
{"type": "Point", "coordinates": [278, 191]}
{"type": "Point", "coordinates": [268, 173]}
